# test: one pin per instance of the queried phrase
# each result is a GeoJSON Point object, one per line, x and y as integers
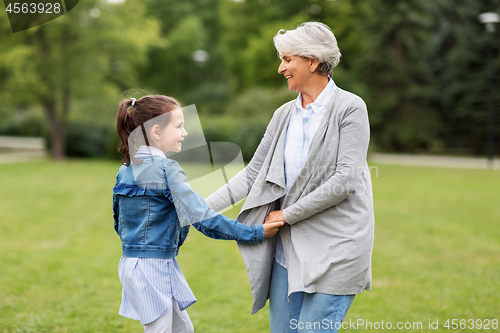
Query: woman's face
{"type": "Point", "coordinates": [169, 139]}
{"type": "Point", "coordinates": [297, 71]}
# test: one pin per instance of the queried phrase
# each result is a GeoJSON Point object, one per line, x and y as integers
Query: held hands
{"type": "Point", "coordinates": [276, 216]}
{"type": "Point", "coordinates": [270, 229]}
{"type": "Point", "coordinates": [272, 223]}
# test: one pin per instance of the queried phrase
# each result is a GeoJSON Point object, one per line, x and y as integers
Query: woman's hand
{"type": "Point", "coordinates": [270, 229]}
{"type": "Point", "coordinates": [276, 216]}
{"type": "Point", "coordinates": [272, 223]}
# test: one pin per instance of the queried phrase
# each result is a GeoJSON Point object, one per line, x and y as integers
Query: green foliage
{"type": "Point", "coordinates": [259, 60]}
{"type": "Point", "coordinates": [246, 134]}
{"type": "Point", "coordinates": [87, 139]}
{"type": "Point", "coordinates": [64, 52]}
{"type": "Point", "coordinates": [419, 64]}
{"type": "Point", "coordinates": [210, 98]}
{"type": "Point", "coordinates": [259, 102]}
{"type": "Point", "coordinates": [254, 108]}
{"type": "Point", "coordinates": [84, 138]}
{"type": "Point", "coordinates": [28, 122]}
{"type": "Point", "coordinates": [88, 54]}
{"type": "Point", "coordinates": [458, 60]}
{"type": "Point", "coordinates": [174, 59]}
{"type": "Point", "coordinates": [399, 83]}
{"type": "Point", "coordinates": [424, 71]}
{"type": "Point", "coordinates": [247, 38]}
{"type": "Point", "coordinates": [188, 26]}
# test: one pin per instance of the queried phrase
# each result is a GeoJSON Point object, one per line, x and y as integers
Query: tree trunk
{"type": "Point", "coordinates": [57, 131]}
{"type": "Point", "coordinates": [57, 120]}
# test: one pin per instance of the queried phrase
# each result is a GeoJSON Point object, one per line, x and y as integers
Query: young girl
{"type": "Point", "coordinates": [153, 206]}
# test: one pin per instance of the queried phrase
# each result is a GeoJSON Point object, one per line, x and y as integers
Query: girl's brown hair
{"type": "Point", "coordinates": [144, 109]}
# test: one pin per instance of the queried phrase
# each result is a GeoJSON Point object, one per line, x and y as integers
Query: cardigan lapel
{"type": "Point", "coordinates": [314, 153]}
{"type": "Point", "coordinates": [323, 127]}
{"type": "Point", "coordinates": [276, 172]}
{"type": "Point", "coordinates": [270, 186]}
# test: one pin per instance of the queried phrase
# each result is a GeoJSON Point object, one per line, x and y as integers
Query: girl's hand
{"type": "Point", "coordinates": [275, 216]}
{"type": "Point", "coordinates": [270, 229]}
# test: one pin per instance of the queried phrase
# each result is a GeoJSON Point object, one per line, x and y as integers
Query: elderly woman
{"type": "Point", "coordinates": [309, 171]}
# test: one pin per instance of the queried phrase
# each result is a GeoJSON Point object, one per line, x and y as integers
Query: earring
{"type": "Point", "coordinates": [312, 70]}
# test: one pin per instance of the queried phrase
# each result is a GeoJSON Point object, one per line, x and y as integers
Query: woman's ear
{"type": "Point", "coordinates": [155, 132]}
{"type": "Point", "coordinates": [313, 64]}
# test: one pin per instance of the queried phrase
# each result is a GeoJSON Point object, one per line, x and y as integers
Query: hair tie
{"type": "Point", "coordinates": [133, 101]}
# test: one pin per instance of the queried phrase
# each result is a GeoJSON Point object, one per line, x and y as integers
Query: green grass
{"type": "Point", "coordinates": [436, 253]}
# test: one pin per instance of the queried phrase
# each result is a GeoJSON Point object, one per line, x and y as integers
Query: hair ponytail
{"type": "Point", "coordinates": [124, 126]}
{"type": "Point", "coordinates": [144, 109]}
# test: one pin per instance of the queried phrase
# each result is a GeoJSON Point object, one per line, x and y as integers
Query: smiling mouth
{"type": "Point", "coordinates": [288, 77]}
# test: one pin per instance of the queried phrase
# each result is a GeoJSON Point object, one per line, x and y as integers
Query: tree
{"type": "Point", "coordinates": [88, 54]}
{"type": "Point", "coordinates": [187, 26]}
{"type": "Point", "coordinates": [247, 39]}
{"type": "Point", "coordinates": [393, 67]}
{"type": "Point", "coordinates": [458, 62]}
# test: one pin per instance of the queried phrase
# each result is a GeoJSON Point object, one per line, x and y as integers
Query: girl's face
{"type": "Point", "coordinates": [170, 137]}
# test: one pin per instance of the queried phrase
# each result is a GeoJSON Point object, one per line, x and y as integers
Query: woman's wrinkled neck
{"type": "Point", "coordinates": [314, 89]}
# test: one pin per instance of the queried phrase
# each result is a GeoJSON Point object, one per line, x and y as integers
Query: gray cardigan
{"type": "Point", "coordinates": [328, 238]}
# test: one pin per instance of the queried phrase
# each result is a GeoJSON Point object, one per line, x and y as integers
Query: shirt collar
{"type": "Point", "coordinates": [149, 151]}
{"type": "Point", "coordinates": [322, 100]}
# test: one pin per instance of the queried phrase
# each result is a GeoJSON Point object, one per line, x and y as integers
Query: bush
{"type": "Point", "coordinates": [246, 134]}
{"type": "Point", "coordinates": [85, 139]}
{"type": "Point", "coordinates": [246, 118]}
{"type": "Point", "coordinates": [259, 102]}
{"type": "Point", "coordinates": [243, 122]}
{"type": "Point", "coordinates": [29, 123]}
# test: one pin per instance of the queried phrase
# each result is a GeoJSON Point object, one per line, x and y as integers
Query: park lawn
{"type": "Point", "coordinates": [436, 254]}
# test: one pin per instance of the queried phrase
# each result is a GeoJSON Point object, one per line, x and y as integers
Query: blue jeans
{"type": "Point", "coordinates": [304, 312]}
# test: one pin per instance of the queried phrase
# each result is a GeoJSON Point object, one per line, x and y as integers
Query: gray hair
{"type": "Point", "coordinates": [310, 40]}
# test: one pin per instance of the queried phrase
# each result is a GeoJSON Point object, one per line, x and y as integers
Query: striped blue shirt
{"type": "Point", "coordinates": [149, 284]}
{"type": "Point", "coordinates": [304, 122]}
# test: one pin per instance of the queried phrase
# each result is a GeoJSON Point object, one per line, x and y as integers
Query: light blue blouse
{"type": "Point", "coordinates": [304, 122]}
{"type": "Point", "coordinates": [148, 286]}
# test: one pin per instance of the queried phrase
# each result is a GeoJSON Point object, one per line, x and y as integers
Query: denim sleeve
{"type": "Point", "coordinates": [184, 233]}
{"type": "Point", "coordinates": [115, 213]}
{"type": "Point", "coordinates": [222, 227]}
{"type": "Point", "coordinates": [192, 209]}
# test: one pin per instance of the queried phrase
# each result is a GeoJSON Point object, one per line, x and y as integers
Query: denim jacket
{"type": "Point", "coordinates": [154, 205]}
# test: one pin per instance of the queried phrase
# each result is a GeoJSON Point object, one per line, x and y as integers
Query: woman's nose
{"type": "Point", "coordinates": [281, 68]}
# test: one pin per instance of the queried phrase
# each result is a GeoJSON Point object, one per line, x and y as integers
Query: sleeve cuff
{"type": "Point", "coordinates": [259, 233]}
{"type": "Point", "coordinates": [289, 216]}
